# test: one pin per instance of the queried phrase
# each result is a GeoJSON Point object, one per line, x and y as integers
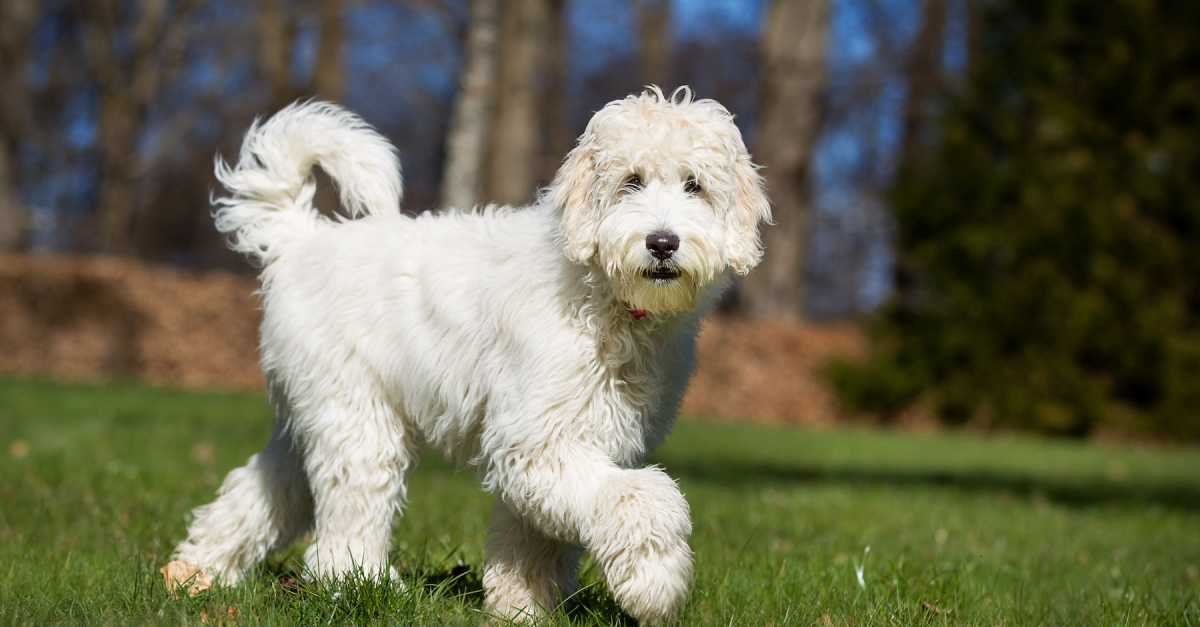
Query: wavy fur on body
{"type": "Point", "coordinates": [503, 337]}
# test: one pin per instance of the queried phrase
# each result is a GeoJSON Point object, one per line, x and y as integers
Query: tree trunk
{"type": "Point", "coordinates": [277, 25]}
{"type": "Point", "coordinates": [276, 34]}
{"type": "Point", "coordinates": [470, 124]}
{"type": "Point", "coordinates": [512, 173]}
{"type": "Point", "coordinates": [790, 116]}
{"type": "Point", "coordinates": [921, 74]}
{"type": "Point", "coordinates": [126, 85]}
{"type": "Point", "coordinates": [17, 21]}
{"type": "Point", "coordinates": [327, 75]}
{"type": "Point", "coordinates": [14, 219]}
{"type": "Point", "coordinates": [654, 42]}
{"type": "Point", "coordinates": [118, 127]}
{"type": "Point", "coordinates": [129, 77]}
{"type": "Point", "coordinates": [559, 139]}
{"type": "Point", "coordinates": [974, 10]}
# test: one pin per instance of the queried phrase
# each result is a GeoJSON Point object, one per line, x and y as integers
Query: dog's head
{"type": "Point", "coordinates": [662, 196]}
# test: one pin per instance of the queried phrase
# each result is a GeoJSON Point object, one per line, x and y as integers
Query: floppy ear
{"type": "Point", "coordinates": [750, 206]}
{"type": "Point", "coordinates": [571, 194]}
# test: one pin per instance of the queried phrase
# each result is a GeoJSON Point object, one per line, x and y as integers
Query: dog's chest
{"type": "Point", "coordinates": [633, 361]}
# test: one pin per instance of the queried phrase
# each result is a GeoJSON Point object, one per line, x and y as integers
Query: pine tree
{"type": "Point", "coordinates": [1048, 243]}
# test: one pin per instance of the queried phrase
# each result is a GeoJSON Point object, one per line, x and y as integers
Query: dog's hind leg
{"type": "Point", "coordinates": [357, 458]}
{"type": "Point", "coordinates": [260, 506]}
{"type": "Point", "coordinates": [526, 573]}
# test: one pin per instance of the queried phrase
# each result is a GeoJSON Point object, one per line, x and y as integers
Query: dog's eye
{"type": "Point", "coordinates": [692, 187]}
{"type": "Point", "coordinates": [633, 184]}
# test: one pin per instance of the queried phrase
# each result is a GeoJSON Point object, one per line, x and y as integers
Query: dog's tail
{"type": "Point", "coordinates": [271, 187]}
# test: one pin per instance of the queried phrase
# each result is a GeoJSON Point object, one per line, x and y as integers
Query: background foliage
{"type": "Point", "coordinates": [1047, 238]}
{"type": "Point", "coordinates": [1020, 176]}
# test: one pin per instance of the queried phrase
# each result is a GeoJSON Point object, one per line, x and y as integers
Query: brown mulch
{"type": "Point", "coordinates": [768, 372]}
{"type": "Point", "coordinates": [96, 318]}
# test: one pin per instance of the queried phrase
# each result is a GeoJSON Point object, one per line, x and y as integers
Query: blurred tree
{"type": "Point", "coordinates": [132, 51]}
{"type": "Point", "coordinates": [1049, 236]}
{"type": "Point", "coordinates": [17, 20]}
{"type": "Point", "coordinates": [276, 37]}
{"type": "Point", "coordinates": [397, 65]}
{"type": "Point", "coordinates": [922, 75]}
{"type": "Point", "coordinates": [513, 161]}
{"type": "Point", "coordinates": [470, 126]}
{"type": "Point", "coordinates": [872, 44]}
{"type": "Point", "coordinates": [654, 43]}
{"type": "Point", "coordinates": [278, 28]}
{"type": "Point", "coordinates": [327, 73]}
{"type": "Point", "coordinates": [559, 139]}
{"type": "Point", "coordinates": [793, 81]}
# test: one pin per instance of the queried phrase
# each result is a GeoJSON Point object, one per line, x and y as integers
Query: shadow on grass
{"type": "Point", "coordinates": [592, 604]}
{"type": "Point", "coordinates": [595, 605]}
{"type": "Point", "coordinates": [1077, 492]}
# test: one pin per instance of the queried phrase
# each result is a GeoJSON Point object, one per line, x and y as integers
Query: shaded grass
{"type": "Point", "coordinates": [96, 483]}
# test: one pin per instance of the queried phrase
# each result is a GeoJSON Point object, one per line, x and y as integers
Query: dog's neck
{"type": "Point", "coordinates": [647, 358]}
{"type": "Point", "coordinates": [599, 309]}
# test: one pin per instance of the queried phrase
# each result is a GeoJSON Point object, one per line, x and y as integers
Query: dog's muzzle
{"type": "Point", "coordinates": [660, 273]}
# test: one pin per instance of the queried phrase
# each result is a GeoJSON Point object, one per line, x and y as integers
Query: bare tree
{"type": "Point", "coordinates": [277, 27]}
{"type": "Point", "coordinates": [17, 18]}
{"type": "Point", "coordinates": [793, 80]}
{"type": "Point", "coordinates": [513, 172]}
{"type": "Point", "coordinates": [470, 124]}
{"type": "Point", "coordinates": [14, 217]}
{"type": "Point", "coordinates": [327, 75]}
{"type": "Point", "coordinates": [276, 36]}
{"type": "Point", "coordinates": [922, 73]}
{"type": "Point", "coordinates": [559, 139]}
{"type": "Point", "coordinates": [130, 64]}
{"type": "Point", "coordinates": [654, 42]}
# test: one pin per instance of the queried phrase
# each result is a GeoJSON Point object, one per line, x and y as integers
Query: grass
{"type": "Point", "coordinates": [792, 527]}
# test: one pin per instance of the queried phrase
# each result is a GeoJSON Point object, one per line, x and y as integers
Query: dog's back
{"type": "Point", "coordinates": [440, 307]}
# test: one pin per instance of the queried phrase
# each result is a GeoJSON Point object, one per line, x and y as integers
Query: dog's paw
{"type": "Point", "coordinates": [186, 575]}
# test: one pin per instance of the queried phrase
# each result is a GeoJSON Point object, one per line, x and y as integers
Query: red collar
{"type": "Point", "coordinates": [637, 314]}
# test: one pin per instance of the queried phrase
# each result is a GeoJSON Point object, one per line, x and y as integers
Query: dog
{"type": "Point", "coordinates": [546, 347]}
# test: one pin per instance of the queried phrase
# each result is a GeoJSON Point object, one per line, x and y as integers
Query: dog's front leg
{"type": "Point", "coordinates": [526, 572]}
{"type": "Point", "coordinates": [635, 522]}
{"type": "Point", "coordinates": [638, 533]}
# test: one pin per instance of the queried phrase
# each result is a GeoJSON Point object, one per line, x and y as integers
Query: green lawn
{"type": "Point", "coordinates": [792, 527]}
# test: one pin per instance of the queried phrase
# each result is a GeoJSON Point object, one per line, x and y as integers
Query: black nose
{"type": "Point", "coordinates": [662, 244]}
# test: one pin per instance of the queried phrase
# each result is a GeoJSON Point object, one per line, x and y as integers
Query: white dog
{"type": "Point", "coordinates": [547, 347]}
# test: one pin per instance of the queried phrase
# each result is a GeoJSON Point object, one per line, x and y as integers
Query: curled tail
{"type": "Point", "coordinates": [271, 187]}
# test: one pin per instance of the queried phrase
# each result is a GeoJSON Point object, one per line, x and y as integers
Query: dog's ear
{"type": "Point", "coordinates": [571, 193]}
{"type": "Point", "coordinates": [750, 207]}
